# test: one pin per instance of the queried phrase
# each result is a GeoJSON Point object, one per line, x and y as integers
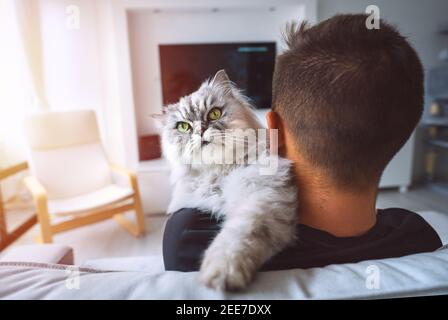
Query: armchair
{"type": "Point", "coordinates": [72, 182]}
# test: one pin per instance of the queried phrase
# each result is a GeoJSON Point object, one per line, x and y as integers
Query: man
{"type": "Point", "coordinates": [345, 100]}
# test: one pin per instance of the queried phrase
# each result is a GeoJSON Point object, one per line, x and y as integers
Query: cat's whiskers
{"type": "Point", "coordinates": [234, 138]}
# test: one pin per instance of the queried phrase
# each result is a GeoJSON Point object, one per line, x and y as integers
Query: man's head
{"type": "Point", "coordinates": [346, 98]}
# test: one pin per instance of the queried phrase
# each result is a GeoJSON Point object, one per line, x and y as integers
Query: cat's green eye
{"type": "Point", "coordinates": [183, 127]}
{"type": "Point", "coordinates": [214, 114]}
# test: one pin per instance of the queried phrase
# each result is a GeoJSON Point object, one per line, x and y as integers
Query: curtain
{"type": "Point", "coordinates": [21, 82]}
{"type": "Point", "coordinates": [28, 23]}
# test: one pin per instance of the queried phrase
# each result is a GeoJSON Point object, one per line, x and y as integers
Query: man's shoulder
{"type": "Point", "coordinates": [407, 222]}
{"type": "Point", "coordinates": [399, 216]}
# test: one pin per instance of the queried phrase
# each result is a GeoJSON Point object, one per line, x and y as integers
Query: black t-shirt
{"type": "Point", "coordinates": [397, 232]}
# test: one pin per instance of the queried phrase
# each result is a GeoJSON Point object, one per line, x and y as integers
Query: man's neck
{"type": "Point", "coordinates": [324, 206]}
{"type": "Point", "coordinates": [341, 213]}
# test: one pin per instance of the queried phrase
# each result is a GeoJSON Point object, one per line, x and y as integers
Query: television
{"type": "Point", "coordinates": [250, 65]}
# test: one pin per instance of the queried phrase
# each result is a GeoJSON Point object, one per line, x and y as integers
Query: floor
{"type": "Point", "coordinates": [107, 239]}
{"type": "Point", "coordinates": [419, 199]}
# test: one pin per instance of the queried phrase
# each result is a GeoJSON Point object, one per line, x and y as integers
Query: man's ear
{"type": "Point", "coordinates": [275, 123]}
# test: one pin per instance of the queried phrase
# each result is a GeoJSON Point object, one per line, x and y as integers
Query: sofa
{"type": "Point", "coordinates": [47, 272]}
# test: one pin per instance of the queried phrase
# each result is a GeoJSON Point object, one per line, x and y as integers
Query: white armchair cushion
{"type": "Point", "coordinates": [108, 195]}
{"type": "Point", "coordinates": [52, 130]}
{"type": "Point", "coordinates": [66, 154]}
{"type": "Point", "coordinates": [72, 171]}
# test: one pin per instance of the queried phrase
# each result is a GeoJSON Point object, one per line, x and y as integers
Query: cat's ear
{"type": "Point", "coordinates": [160, 118]}
{"type": "Point", "coordinates": [221, 77]}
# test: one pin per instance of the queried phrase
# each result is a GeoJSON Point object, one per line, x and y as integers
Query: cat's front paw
{"type": "Point", "coordinates": [221, 272]}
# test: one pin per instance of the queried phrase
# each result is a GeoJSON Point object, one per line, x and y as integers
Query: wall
{"type": "Point", "coordinates": [148, 28]}
{"type": "Point", "coordinates": [418, 21]}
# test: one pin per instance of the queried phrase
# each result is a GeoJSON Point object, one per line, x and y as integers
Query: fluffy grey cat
{"type": "Point", "coordinates": [200, 134]}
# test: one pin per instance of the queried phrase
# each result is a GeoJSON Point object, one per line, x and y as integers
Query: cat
{"type": "Point", "coordinates": [258, 210]}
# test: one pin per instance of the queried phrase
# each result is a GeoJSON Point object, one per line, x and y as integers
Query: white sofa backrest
{"type": "Point", "coordinates": [414, 275]}
{"type": "Point", "coordinates": [66, 154]}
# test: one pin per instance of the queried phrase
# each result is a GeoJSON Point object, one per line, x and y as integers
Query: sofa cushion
{"type": "Point", "coordinates": [414, 275]}
{"type": "Point", "coordinates": [151, 264]}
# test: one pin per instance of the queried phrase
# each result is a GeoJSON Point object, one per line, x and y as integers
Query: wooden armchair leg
{"type": "Point", "coordinates": [139, 215]}
{"type": "Point", "coordinates": [136, 229]}
{"type": "Point", "coordinates": [129, 226]}
{"type": "Point", "coordinates": [46, 236]}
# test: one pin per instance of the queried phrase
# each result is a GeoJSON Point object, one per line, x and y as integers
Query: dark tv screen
{"type": "Point", "coordinates": [250, 65]}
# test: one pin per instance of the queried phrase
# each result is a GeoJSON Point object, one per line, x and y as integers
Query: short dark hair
{"type": "Point", "coordinates": [350, 96]}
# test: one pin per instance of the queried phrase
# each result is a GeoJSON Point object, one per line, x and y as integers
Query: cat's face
{"type": "Point", "coordinates": [197, 128]}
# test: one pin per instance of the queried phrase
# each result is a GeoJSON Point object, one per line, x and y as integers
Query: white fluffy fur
{"type": "Point", "coordinates": [259, 211]}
